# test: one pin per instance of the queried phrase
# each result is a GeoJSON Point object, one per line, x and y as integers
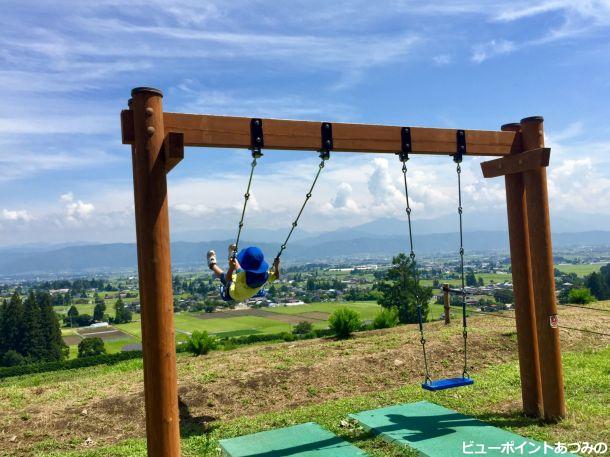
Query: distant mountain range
{"type": "Point", "coordinates": [379, 239]}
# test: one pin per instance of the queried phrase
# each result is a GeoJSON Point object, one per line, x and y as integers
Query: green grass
{"type": "Point", "coordinates": [487, 278]}
{"type": "Point", "coordinates": [82, 309]}
{"type": "Point", "coordinates": [580, 270]}
{"type": "Point", "coordinates": [367, 309]}
{"type": "Point", "coordinates": [587, 384]}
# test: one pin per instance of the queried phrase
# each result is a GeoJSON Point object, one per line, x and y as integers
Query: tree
{"type": "Point", "coordinates": [200, 343]}
{"type": "Point", "coordinates": [386, 318]}
{"type": "Point", "coordinates": [12, 358]}
{"type": "Point", "coordinates": [98, 310]}
{"type": "Point", "coordinates": [122, 314]}
{"type": "Point", "coordinates": [480, 282]}
{"type": "Point", "coordinates": [471, 280]}
{"type": "Point", "coordinates": [596, 284]}
{"type": "Point", "coordinates": [90, 347]}
{"type": "Point", "coordinates": [344, 321]}
{"type": "Point", "coordinates": [49, 329]}
{"type": "Point", "coordinates": [11, 336]}
{"type": "Point", "coordinates": [33, 337]}
{"type": "Point", "coordinates": [400, 290]}
{"type": "Point", "coordinates": [504, 296]}
{"type": "Point", "coordinates": [580, 296]}
{"type": "Point", "coordinates": [302, 328]}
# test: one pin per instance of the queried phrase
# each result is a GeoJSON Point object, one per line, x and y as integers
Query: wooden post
{"type": "Point", "coordinates": [525, 316]}
{"type": "Point", "coordinates": [447, 304]}
{"type": "Point", "coordinates": [156, 295]}
{"type": "Point", "coordinates": [543, 276]}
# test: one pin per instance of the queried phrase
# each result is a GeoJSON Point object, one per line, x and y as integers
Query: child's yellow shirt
{"type": "Point", "coordinates": [239, 290]}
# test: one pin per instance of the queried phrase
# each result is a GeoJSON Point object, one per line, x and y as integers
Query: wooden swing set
{"type": "Point", "coordinates": [157, 142]}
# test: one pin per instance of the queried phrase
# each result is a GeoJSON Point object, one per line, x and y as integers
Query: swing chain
{"type": "Point", "coordinates": [324, 156]}
{"type": "Point", "coordinates": [404, 157]}
{"type": "Point", "coordinates": [458, 160]}
{"type": "Point", "coordinates": [256, 154]}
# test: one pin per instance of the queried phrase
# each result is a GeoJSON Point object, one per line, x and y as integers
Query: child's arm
{"type": "Point", "coordinates": [232, 268]}
{"type": "Point", "coordinates": [276, 265]}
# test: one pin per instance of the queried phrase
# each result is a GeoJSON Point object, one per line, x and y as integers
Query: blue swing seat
{"type": "Point", "coordinates": [449, 383]}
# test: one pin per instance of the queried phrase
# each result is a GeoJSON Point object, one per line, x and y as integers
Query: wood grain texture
{"type": "Point", "coordinates": [234, 132]}
{"type": "Point", "coordinates": [156, 294]}
{"type": "Point", "coordinates": [173, 149]}
{"type": "Point", "coordinates": [516, 163]}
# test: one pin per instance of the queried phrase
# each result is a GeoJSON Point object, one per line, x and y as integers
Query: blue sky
{"type": "Point", "coordinates": [67, 68]}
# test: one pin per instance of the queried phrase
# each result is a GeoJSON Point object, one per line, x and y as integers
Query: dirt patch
{"type": "Point", "coordinates": [109, 407]}
{"type": "Point", "coordinates": [105, 333]}
{"type": "Point", "coordinates": [317, 315]}
{"type": "Point", "coordinates": [72, 340]}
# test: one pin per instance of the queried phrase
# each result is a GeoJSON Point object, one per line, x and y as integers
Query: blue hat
{"type": "Point", "coordinates": [252, 260]}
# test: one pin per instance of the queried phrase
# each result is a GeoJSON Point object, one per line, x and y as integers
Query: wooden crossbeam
{"type": "Point", "coordinates": [517, 163]}
{"type": "Point", "coordinates": [234, 132]}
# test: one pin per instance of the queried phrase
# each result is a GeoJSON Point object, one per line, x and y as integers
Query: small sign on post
{"type": "Point", "coordinates": [554, 321]}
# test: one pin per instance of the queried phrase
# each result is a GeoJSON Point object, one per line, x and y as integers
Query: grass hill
{"type": "Point", "coordinates": [99, 411]}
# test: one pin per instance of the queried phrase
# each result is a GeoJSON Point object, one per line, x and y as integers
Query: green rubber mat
{"type": "Point", "coordinates": [435, 431]}
{"type": "Point", "coordinates": [297, 441]}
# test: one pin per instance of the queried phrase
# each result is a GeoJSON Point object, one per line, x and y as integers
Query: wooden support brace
{"type": "Point", "coordinates": [517, 163]}
{"type": "Point", "coordinates": [173, 149]}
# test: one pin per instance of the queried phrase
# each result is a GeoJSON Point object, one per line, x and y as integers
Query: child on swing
{"type": "Point", "coordinates": [247, 274]}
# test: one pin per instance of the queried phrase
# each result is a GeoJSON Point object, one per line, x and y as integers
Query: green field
{"type": "Point", "coordinates": [367, 309]}
{"type": "Point", "coordinates": [580, 270]}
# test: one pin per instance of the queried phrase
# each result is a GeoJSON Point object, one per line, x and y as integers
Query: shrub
{"type": "Point", "coordinates": [302, 328]}
{"type": "Point", "coordinates": [12, 358]}
{"type": "Point", "coordinates": [580, 296]}
{"type": "Point", "coordinates": [90, 347]}
{"type": "Point", "coordinates": [386, 318]}
{"type": "Point", "coordinates": [200, 343]}
{"type": "Point", "coordinates": [344, 321]}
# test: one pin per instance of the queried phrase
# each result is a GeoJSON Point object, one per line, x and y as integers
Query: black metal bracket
{"type": "Point", "coordinates": [405, 144]}
{"type": "Point", "coordinates": [257, 139]}
{"type": "Point", "coordinates": [327, 136]}
{"type": "Point", "coordinates": [460, 136]}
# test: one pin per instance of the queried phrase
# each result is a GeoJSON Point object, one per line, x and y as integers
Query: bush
{"type": "Point", "coordinates": [580, 296]}
{"type": "Point", "coordinates": [200, 343]}
{"type": "Point", "coordinates": [90, 347]}
{"type": "Point", "coordinates": [344, 321]}
{"type": "Point", "coordinates": [108, 359]}
{"type": "Point", "coordinates": [12, 358]}
{"type": "Point", "coordinates": [386, 318]}
{"type": "Point", "coordinates": [302, 328]}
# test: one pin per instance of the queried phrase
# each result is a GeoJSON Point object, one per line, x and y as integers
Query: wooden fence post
{"type": "Point", "coordinates": [543, 275]}
{"type": "Point", "coordinates": [156, 295]}
{"type": "Point", "coordinates": [446, 303]}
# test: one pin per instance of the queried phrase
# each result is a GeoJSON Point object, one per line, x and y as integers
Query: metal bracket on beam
{"type": "Point", "coordinates": [257, 139]}
{"type": "Point", "coordinates": [327, 136]}
{"type": "Point", "coordinates": [405, 144]}
{"type": "Point", "coordinates": [460, 139]}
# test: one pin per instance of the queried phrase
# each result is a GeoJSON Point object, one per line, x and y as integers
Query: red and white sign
{"type": "Point", "coordinates": [554, 321]}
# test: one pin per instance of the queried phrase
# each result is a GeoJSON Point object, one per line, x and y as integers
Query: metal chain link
{"type": "Point", "coordinates": [324, 155]}
{"type": "Point", "coordinates": [404, 157]}
{"type": "Point", "coordinates": [256, 154]}
{"type": "Point", "coordinates": [458, 160]}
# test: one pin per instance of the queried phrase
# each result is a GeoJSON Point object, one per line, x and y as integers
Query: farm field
{"type": "Point", "coordinates": [231, 393]}
{"type": "Point", "coordinates": [580, 270]}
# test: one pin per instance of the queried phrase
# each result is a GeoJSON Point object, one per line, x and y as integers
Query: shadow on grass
{"type": "Point", "coordinates": [194, 425]}
{"type": "Point", "coordinates": [509, 419]}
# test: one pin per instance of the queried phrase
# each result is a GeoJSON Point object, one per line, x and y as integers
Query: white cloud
{"type": "Point", "coordinates": [492, 48]}
{"type": "Point", "coordinates": [76, 210]}
{"type": "Point", "coordinates": [16, 215]}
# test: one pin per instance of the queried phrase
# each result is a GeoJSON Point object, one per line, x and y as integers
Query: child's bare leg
{"type": "Point", "coordinates": [217, 270]}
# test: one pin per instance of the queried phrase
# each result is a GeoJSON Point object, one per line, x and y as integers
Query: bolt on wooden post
{"type": "Point", "coordinates": [543, 275]}
{"type": "Point", "coordinates": [525, 316]}
{"type": "Point", "coordinates": [156, 294]}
